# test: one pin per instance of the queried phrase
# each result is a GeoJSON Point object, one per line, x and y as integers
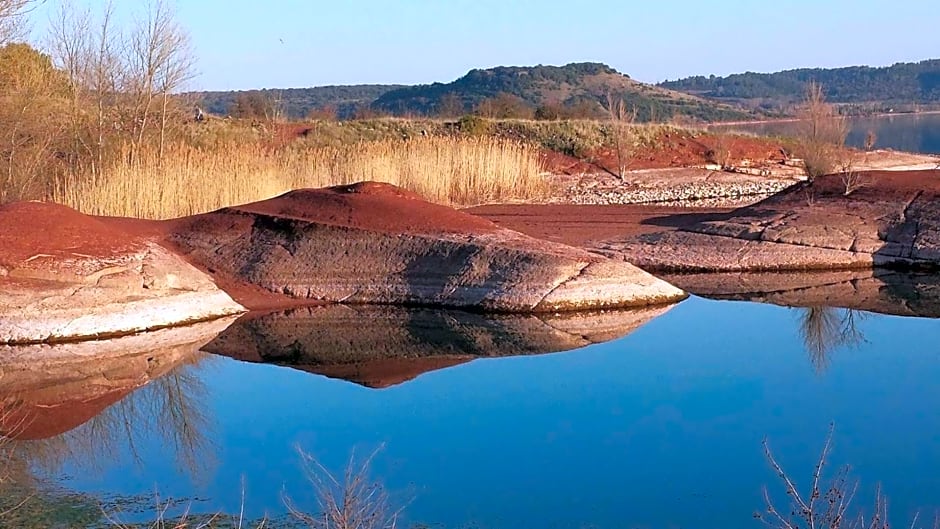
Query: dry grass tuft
{"type": "Point", "coordinates": [351, 500]}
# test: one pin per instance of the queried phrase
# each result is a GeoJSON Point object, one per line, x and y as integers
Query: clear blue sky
{"type": "Point", "coordinates": [244, 44]}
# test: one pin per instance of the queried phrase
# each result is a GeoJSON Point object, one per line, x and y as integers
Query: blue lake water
{"type": "Point", "coordinates": [903, 132]}
{"type": "Point", "coordinates": [660, 428]}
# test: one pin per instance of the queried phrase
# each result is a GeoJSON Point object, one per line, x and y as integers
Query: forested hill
{"type": "Point", "coordinates": [577, 90]}
{"type": "Point", "coordinates": [344, 101]}
{"type": "Point", "coordinates": [901, 83]}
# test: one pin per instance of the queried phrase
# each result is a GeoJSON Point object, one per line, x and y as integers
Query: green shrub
{"type": "Point", "coordinates": [471, 125]}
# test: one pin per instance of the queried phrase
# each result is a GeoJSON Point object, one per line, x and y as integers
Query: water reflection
{"type": "Point", "coordinates": [381, 346]}
{"type": "Point", "coordinates": [879, 291]}
{"type": "Point", "coordinates": [84, 403]}
{"type": "Point", "coordinates": [832, 305]}
{"type": "Point", "coordinates": [825, 329]}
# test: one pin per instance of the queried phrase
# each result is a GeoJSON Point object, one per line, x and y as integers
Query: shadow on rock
{"type": "Point", "coordinates": [381, 346]}
{"type": "Point", "coordinates": [879, 290]}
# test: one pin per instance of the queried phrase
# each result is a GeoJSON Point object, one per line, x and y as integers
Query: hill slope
{"type": "Point", "coordinates": [582, 85]}
{"type": "Point", "coordinates": [299, 102]}
{"type": "Point", "coordinates": [901, 83]}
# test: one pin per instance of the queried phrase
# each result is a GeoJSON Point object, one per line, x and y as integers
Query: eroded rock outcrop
{"type": "Point", "coordinates": [66, 276]}
{"type": "Point", "coordinates": [376, 243]}
{"type": "Point", "coordinates": [379, 346]}
{"type": "Point", "coordinates": [890, 219]}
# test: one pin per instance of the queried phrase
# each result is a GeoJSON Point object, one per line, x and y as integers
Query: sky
{"type": "Point", "coordinates": [246, 44]}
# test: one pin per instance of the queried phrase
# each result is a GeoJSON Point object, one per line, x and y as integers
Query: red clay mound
{"type": "Point", "coordinates": [375, 243]}
{"type": "Point", "coordinates": [371, 206]}
{"type": "Point", "coordinates": [57, 238]}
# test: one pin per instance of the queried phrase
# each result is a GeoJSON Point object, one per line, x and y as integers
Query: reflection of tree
{"type": "Point", "coordinates": [825, 329]}
{"type": "Point", "coordinates": [170, 408]}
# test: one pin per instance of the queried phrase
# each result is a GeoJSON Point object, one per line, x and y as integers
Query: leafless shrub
{"type": "Point", "coordinates": [852, 181]}
{"type": "Point", "coordinates": [823, 139]}
{"type": "Point", "coordinates": [870, 139]}
{"type": "Point", "coordinates": [827, 504]}
{"type": "Point", "coordinates": [624, 141]}
{"type": "Point", "coordinates": [350, 501]}
{"type": "Point", "coordinates": [720, 154]}
{"type": "Point", "coordinates": [822, 506]}
{"type": "Point", "coordinates": [810, 196]}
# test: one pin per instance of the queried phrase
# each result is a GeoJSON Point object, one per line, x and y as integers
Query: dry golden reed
{"type": "Point", "coordinates": [189, 180]}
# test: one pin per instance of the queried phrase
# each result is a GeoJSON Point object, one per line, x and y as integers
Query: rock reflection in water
{"type": "Point", "coordinates": [380, 346]}
{"type": "Point", "coordinates": [832, 305]}
{"type": "Point", "coordinates": [85, 402]}
{"type": "Point", "coordinates": [880, 291]}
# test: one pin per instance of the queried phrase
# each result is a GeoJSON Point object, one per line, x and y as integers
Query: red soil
{"type": "Point", "coordinates": [56, 233]}
{"type": "Point", "coordinates": [577, 225]}
{"type": "Point", "coordinates": [875, 186]}
{"type": "Point", "coordinates": [371, 206]}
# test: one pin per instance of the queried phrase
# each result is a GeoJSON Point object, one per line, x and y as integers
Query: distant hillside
{"type": "Point", "coordinates": [299, 102]}
{"type": "Point", "coordinates": [583, 86]}
{"type": "Point", "coordinates": [902, 83]}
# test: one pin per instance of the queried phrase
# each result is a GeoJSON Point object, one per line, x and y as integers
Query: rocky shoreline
{"type": "Point", "coordinates": [880, 219]}
{"type": "Point", "coordinates": [67, 276]}
{"type": "Point", "coordinates": [72, 277]}
{"type": "Point", "coordinates": [673, 186]}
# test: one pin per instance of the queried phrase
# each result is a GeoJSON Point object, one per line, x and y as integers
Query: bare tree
{"type": "Point", "coordinates": [160, 62]}
{"type": "Point", "coordinates": [621, 121]}
{"type": "Point", "coordinates": [89, 52]}
{"type": "Point", "coordinates": [823, 139]}
{"type": "Point", "coordinates": [822, 506]}
{"type": "Point", "coordinates": [12, 16]}
{"type": "Point", "coordinates": [450, 106]}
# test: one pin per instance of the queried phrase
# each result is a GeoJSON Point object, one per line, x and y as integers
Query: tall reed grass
{"type": "Point", "coordinates": [189, 180]}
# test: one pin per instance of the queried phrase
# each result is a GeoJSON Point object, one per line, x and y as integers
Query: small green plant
{"type": "Point", "coordinates": [471, 125]}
